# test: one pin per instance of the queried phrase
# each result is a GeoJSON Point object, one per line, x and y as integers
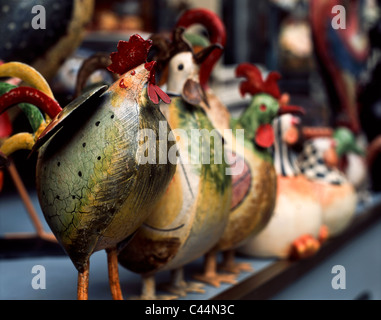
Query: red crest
{"type": "Point", "coordinates": [130, 54]}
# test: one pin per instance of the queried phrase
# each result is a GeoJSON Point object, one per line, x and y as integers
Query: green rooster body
{"type": "Point", "coordinates": [90, 179]}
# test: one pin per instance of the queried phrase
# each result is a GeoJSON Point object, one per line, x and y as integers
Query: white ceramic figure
{"type": "Point", "coordinates": [295, 227]}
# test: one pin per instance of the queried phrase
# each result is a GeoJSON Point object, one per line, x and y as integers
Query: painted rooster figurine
{"type": "Point", "coordinates": [249, 209]}
{"type": "Point", "coordinates": [192, 215]}
{"type": "Point", "coordinates": [319, 162]}
{"type": "Point", "coordinates": [342, 55]}
{"type": "Point", "coordinates": [253, 174]}
{"type": "Point", "coordinates": [93, 187]}
{"type": "Point", "coordinates": [296, 224]}
{"type": "Point", "coordinates": [255, 190]}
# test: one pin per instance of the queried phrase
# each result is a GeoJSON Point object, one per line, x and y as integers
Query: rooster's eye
{"type": "Point", "coordinates": [180, 67]}
{"type": "Point", "coordinates": [263, 108]}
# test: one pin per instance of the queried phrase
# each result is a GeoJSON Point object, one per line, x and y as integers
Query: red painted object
{"type": "Point", "coordinates": [265, 136]}
{"type": "Point", "coordinates": [255, 83]}
{"type": "Point", "coordinates": [32, 96]}
{"type": "Point", "coordinates": [130, 54]}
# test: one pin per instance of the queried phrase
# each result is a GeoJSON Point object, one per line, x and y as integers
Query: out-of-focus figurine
{"type": "Point", "coordinates": [353, 160]}
{"type": "Point", "coordinates": [256, 194]}
{"type": "Point", "coordinates": [193, 214]}
{"type": "Point", "coordinates": [319, 162]}
{"type": "Point", "coordinates": [36, 120]}
{"type": "Point", "coordinates": [341, 53]}
{"type": "Point", "coordinates": [296, 224]}
{"type": "Point", "coordinates": [295, 41]}
{"type": "Point", "coordinates": [9, 143]}
{"type": "Point", "coordinates": [42, 33]}
{"type": "Point", "coordinates": [94, 187]}
{"type": "Point", "coordinates": [254, 185]}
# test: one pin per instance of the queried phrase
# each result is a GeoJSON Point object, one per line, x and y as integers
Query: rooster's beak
{"type": "Point", "coordinates": [193, 93]}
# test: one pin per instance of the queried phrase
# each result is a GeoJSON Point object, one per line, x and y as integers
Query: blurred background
{"type": "Point", "coordinates": [326, 71]}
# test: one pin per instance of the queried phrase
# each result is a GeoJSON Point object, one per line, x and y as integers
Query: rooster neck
{"type": "Point", "coordinates": [131, 85]}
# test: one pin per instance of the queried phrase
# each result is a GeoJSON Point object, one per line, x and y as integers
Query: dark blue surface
{"type": "Point", "coordinates": [61, 276]}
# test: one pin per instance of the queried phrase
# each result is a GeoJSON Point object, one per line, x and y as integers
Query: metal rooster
{"type": "Point", "coordinates": [93, 187]}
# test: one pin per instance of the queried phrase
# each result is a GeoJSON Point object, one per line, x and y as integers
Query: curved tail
{"type": "Point", "coordinates": [98, 61]}
{"type": "Point", "coordinates": [40, 96]}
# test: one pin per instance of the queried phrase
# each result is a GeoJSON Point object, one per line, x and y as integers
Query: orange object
{"type": "Point", "coordinates": [304, 247]}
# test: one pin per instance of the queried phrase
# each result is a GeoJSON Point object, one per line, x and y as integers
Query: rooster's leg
{"type": "Point", "coordinates": [210, 274]}
{"type": "Point", "coordinates": [83, 283]}
{"type": "Point", "coordinates": [179, 286]}
{"type": "Point", "coordinates": [229, 265]}
{"type": "Point", "coordinates": [113, 274]}
{"type": "Point", "coordinates": [149, 290]}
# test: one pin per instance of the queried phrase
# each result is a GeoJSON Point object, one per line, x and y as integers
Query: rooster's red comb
{"type": "Point", "coordinates": [255, 83]}
{"type": "Point", "coordinates": [130, 54]}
